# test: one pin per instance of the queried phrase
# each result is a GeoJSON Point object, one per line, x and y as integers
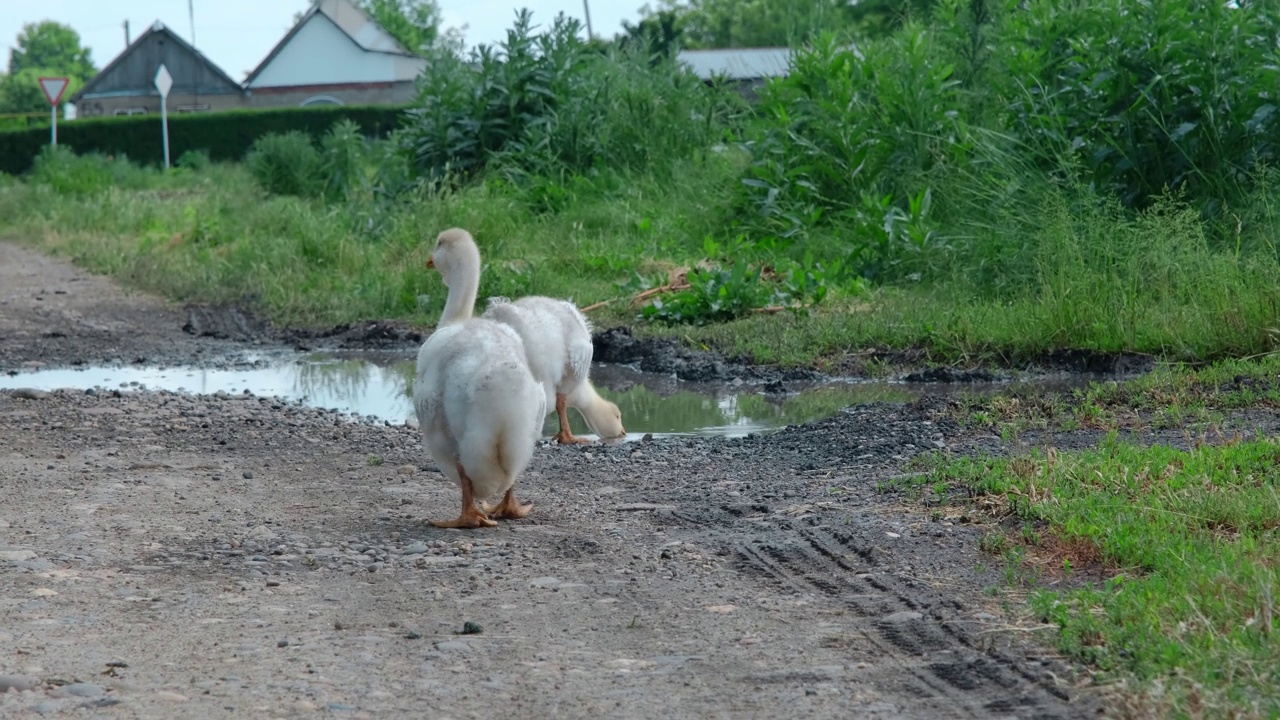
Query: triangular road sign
{"type": "Point", "coordinates": [53, 88]}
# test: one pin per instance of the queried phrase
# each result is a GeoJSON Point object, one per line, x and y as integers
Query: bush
{"type": "Point", "coordinates": [1146, 96]}
{"type": "Point", "coordinates": [549, 104]}
{"type": "Point", "coordinates": [286, 164]}
{"type": "Point", "coordinates": [69, 174]}
{"type": "Point", "coordinates": [224, 135]}
{"type": "Point", "coordinates": [849, 138]}
{"type": "Point", "coordinates": [195, 160]}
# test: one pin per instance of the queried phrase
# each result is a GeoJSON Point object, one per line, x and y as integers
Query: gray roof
{"type": "Point", "coordinates": [738, 63]}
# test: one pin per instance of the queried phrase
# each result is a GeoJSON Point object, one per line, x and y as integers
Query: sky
{"type": "Point", "coordinates": [237, 34]}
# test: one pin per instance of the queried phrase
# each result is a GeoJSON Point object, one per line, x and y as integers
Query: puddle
{"type": "Point", "coordinates": [376, 386]}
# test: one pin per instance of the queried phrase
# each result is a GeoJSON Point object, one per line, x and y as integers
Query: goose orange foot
{"type": "Point", "coordinates": [470, 517]}
{"type": "Point", "coordinates": [565, 436]}
{"type": "Point", "coordinates": [509, 508]}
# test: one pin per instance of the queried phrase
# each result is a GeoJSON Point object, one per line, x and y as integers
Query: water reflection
{"type": "Point", "coordinates": [379, 386]}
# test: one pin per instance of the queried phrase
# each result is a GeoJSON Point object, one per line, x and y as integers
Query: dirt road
{"type": "Point", "coordinates": [169, 556]}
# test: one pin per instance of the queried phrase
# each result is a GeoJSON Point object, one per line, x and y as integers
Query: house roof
{"type": "Point", "coordinates": [156, 28]}
{"type": "Point", "coordinates": [738, 63]}
{"type": "Point", "coordinates": [351, 20]}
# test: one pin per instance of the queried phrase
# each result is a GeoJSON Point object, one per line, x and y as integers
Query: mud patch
{"type": "Point", "coordinates": [1095, 362]}
{"type": "Point", "coordinates": [226, 322]}
{"type": "Point", "coordinates": [952, 375]}
{"type": "Point", "coordinates": [668, 357]}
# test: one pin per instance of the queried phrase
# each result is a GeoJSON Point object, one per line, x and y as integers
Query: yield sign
{"type": "Point", "coordinates": [53, 88]}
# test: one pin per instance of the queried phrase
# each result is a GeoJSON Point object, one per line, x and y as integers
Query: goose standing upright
{"type": "Point", "coordinates": [479, 407]}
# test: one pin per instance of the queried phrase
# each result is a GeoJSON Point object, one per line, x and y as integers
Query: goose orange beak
{"type": "Point", "coordinates": [431, 264]}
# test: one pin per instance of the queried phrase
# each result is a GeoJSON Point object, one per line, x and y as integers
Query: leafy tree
{"type": "Point", "coordinates": [20, 92]}
{"type": "Point", "coordinates": [51, 46]}
{"type": "Point", "coordinates": [766, 23]}
{"type": "Point", "coordinates": [44, 48]}
{"type": "Point", "coordinates": [751, 23]}
{"type": "Point", "coordinates": [414, 23]}
{"type": "Point", "coordinates": [657, 34]}
{"type": "Point", "coordinates": [880, 17]}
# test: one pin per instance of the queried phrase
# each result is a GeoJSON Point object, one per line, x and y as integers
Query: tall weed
{"type": "Point", "coordinates": [552, 105]}
{"type": "Point", "coordinates": [286, 164]}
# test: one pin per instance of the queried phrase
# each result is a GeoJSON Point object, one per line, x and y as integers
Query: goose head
{"type": "Point", "coordinates": [603, 417]}
{"type": "Point", "coordinates": [457, 259]}
{"type": "Point", "coordinates": [605, 420]}
{"type": "Point", "coordinates": [455, 254]}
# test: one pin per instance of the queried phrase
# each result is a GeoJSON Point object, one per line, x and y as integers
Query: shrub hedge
{"type": "Point", "coordinates": [223, 135]}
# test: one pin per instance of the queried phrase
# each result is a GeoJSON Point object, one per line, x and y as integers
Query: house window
{"type": "Point", "coordinates": [320, 100]}
{"type": "Point", "coordinates": [130, 111]}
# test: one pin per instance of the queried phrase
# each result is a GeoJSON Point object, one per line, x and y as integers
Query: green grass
{"type": "Point", "coordinates": [1190, 545]}
{"type": "Point", "coordinates": [1173, 396]}
{"type": "Point", "coordinates": [1107, 280]}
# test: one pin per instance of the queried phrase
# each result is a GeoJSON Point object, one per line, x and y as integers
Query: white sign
{"type": "Point", "coordinates": [164, 81]}
{"type": "Point", "coordinates": [53, 88]}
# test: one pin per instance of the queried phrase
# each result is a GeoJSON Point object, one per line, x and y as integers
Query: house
{"type": "Point", "coordinates": [127, 85]}
{"type": "Point", "coordinates": [336, 55]}
{"type": "Point", "coordinates": [747, 68]}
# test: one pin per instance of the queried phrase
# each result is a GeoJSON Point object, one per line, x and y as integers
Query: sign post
{"type": "Point", "coordinates": [53, 88]}
{"type": "Point", "coordinates": [164, 82]}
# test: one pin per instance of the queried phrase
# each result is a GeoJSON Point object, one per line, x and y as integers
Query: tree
{"type": "Point", "coordinates": [752, 23]}
{"type": "Point", "coordinates": [771, 23]}
{"type": "Point", "coordinates": [657, 34]}
{"type": "Point", "coordinates": [415, 24]}
{"type": "Point", "coordinates": [49, 45]}
{"type": "Point", "coordinates": [44, 48]}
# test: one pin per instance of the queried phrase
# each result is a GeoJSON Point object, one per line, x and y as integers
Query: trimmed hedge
{"type": "Point", "coordinates": [223, 135]}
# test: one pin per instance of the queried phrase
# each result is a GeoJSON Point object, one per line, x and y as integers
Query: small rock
{"type": "Point", "coordinates": [411, 635]}
{"type": "Point", "coordinates": [407, 469]}
{"type": "Point", "coordinates": [902, 616]}
{"type": "Point", "coordinates": [28, 394]}
{"type": "Point", "coordinates": [416, 548]}
{"type": "Point", "coordinates": [17, 683]}
{"type": "Point", "coordinates": [12, 555]}
{"type": "Point", "coordinates": [893, 535]}
{"type": "Point", "coordinates": [247, 475]}
{"type": "Point", "coordinates": [86, 690]}
{"type": "Point", "coordinates": [471, 628]}
{"type": "Point", "coordinates": [722, 609]}
{"type": "Point", "coordinates": [47, 707]}
{"type": "Point", "coordinates": [282, 643]}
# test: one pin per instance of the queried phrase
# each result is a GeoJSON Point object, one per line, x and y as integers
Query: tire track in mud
{"type": "Point", "coordinates": [941, 666]}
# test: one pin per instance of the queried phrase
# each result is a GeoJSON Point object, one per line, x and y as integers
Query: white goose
{"type": "Point", "coordinates": [479, 407]}
{"type": "Point", "coordinates": [557, 339]}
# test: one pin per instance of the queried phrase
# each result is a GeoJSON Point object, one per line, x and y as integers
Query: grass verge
{"type": "Point", "coordinates": [1106, 281]}
{"type": "Point", "coordinates": [1190, 544]}
{"type": "Point", "coordinates": [1174, 395]}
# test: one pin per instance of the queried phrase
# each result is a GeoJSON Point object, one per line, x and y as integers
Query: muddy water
{"type": "Point", "coordinates": [378, 386]}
